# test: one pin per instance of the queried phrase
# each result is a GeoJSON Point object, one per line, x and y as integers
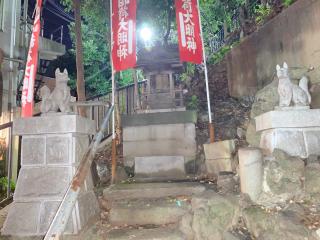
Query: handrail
{"type": "Point", "coordinates": [63, 213]}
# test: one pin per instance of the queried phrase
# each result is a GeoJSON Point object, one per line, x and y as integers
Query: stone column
{"type": "Point", "coordinates": [52, 147]}
{"type": "Point", "coordinates": [250, 166]}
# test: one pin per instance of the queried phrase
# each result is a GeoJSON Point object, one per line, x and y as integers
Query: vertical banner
{"type": "Point", "coordinates": [31, 66]}
{"type": "Point", "coordinates": [189, 32]}
{"type": "Point", "coordinates": [124, 34]}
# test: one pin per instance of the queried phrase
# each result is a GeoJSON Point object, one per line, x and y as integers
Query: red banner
{"type": "Point", "coordinates": [31, 66]}
{"type": "Point", "coordinates": [189, 34]}
{"type": "Point", "coordinates": [124, 34]}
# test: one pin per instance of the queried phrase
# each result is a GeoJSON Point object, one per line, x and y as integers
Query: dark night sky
{"type": "Point", "coordinates": [54, 16]}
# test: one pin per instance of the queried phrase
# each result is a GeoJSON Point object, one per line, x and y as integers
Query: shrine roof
{"type": "Point", "coordinates": [159, 57]}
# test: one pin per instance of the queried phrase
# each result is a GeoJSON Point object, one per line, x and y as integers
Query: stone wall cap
{"type": "Point", "coordinates": [288, 119]}
{"type": "Point", "coordinates": [53, 124]}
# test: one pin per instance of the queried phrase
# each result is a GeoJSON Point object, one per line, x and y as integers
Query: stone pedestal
{"type": "Point", "coordinates": [295, 131]}
{"type": "Point", "coordinates": [219, 156]}
{"type": "Point", "coordinates": [52, 147]}
{"type": "Point", "coordinates": [160, 145]}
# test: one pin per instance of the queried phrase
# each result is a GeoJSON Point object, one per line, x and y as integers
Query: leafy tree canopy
{"type": "Point", "coordinates": [157, 14]}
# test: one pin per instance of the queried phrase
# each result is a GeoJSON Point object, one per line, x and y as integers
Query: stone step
{"type": "Point", "coordinates": [151, 190]}
{"type": "Point", "coordinates": [163, 167]}
{"type": "Point", "coordinates": [147, 212]}
{"type": "Point", "coordinates": [145, 234]}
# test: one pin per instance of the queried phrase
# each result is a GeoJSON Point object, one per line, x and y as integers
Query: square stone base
{"type": "Point", "coordinates": [52, 148]}
{"type": "Point", "coordinates": [296, 132]}
{"type": "Point", "coordinates": [299, 142]}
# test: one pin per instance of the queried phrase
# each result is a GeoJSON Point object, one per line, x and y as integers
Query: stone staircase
{"type": "Point", "coordinates": [148, 211]}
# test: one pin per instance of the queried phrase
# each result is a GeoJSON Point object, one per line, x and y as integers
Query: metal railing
{"type": "Point", "coordinates": [63, 213]}
{"type": "Point", "coordinates": [125, 96]}
{"type": "Point", "coordinates": [57, 34]}
{"type": "Point", "coordinates": [6, 159]}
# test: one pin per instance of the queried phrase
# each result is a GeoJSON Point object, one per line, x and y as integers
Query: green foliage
{"type": "Point", "coordinates": [188, 73]}
{"type": "Point", "coordinates": [262, 12]}
{"type": "Point", "coordinates": [95, 37]}
{"type": "Point", "coordinates": [217, 13]}
{"type": "Point", "coordinates": [4, 184]}
{"type": "Point", "coordinates": [193, 103]}
{"type": "Point", "coordinates": [219, 55]}
{"type": "Point", "coordinates": [287, 3]}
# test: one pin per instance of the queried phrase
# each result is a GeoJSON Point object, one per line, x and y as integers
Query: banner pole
{"type": "Point", "coordinates": [211, 126]}
{"type": "Point", "coordinates": [114, 146]}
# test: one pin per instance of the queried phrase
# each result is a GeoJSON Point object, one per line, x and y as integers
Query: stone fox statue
{"type": "Point", "coordinates": [60, 97]}
{"type": "Point", "coordinates": [292, 93]}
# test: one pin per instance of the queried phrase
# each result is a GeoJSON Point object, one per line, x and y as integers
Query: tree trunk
{"type": "Point", "coordinates": [79, 56]}
{"type": "Point", "coordinates": [136, 90]}
{"type": "Point", "coordinates": [169, 20]}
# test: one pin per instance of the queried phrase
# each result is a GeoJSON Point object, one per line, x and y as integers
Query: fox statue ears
{"type": "Point", "coordinates": [65, 71]}
{"type": "Point", "coordinates": [285, 66]}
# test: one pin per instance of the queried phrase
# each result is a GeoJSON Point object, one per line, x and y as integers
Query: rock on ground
{"type": "Point", "coordinates": [213, 215]}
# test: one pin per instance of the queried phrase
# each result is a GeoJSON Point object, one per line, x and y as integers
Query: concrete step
{"type": "Point", "coordinates": [146, 234]}
{"type": "Point", "coordinates": [147, 212]}
{"type": "Point", "coordinates": [151, 190]}
{"type": "Point", "coordinates": [159, 118]}
{"type": "Point", "coordinates": [163, 167]}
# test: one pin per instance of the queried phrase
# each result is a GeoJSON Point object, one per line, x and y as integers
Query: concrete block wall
{"type": "Point", "coordinates": [49, 159]}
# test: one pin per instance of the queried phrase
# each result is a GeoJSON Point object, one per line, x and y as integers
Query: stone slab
{"type": "Point", "coordinates": [219, 150]}
{"type": "Point", "coordinates": [54, 124]}
{"type": "Point", "coordinates": [146, 234]}
{"type": "Point", "coordinates": [22, 219]}
{"type": "Point", "coordinates": [159, 118]}
{"type": "Point", "coordinates": [32, 152]}
{"type": "Point", "coordinates": [57, 149]}
{"type": "Point", "coordinates": [169, 167]}
{"type": "Point", "coordinates": [291, 141]}
{"type": "Point", "coordinates": [42, 183]}
{"type": "Point", "coordinates": [146, 213]}
{"type": "Point", "coordinates": [288, 119]}
{"type": "Point", "coordinates": [312, 138]}
{"type": "Point", "coordinates": [158, 132]}
{"type": "Point", "coordinates": [216, 166]}
{"type": "Point", "coordinates": [151, 190]}
{"type": "Point", "coordinates": [159, 148]}
{"type": "Point", "coordinates": [47, 212]}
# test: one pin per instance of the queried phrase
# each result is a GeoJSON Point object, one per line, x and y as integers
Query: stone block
{"type": "Point", "coordinates": [151, 190]}
{"type": "Point", "coordinates": [288, 119]}
{"type": "Point", "coordinates": [251, 172]}
{"type": "Point", "coordinates": [160, 148]}
{"type": "Point", "coordinates": [171, 167]}
{"type": "Point", "coordinates": [218, 150]}
{"type": "Point", "coordinates": [291, 141]}
{"type": "Point", "coordinates": [215, 166]}
{"type": "Point", "coordinates": [80, 144]}
{"type": "Point", "coordinates": [22, 219]}
{"type": "Point", "coordinates": [47, 213]}
{"type": "Point", "coordinates": [57, 149]}
{"type": "Point", "coordinates": [159, 118]}
{"type": "Point", "coordinates": [53, 124]}
{"type": "Point", "coordinates": [312, 138]}
{"type": "Point", "coordinates": [158, 132]}
{"type": "Point", "coordinates": [88, 208]}
{"type": "Point", "coordinates": [33, 149]}
{"type": "Point", "coordinates": [36, 182]}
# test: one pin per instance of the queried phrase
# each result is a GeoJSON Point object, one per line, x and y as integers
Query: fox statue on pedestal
{"type": "Point", "coordinates": [60, 97]}
{"type": "Point", "coordinates": [290, 92]}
